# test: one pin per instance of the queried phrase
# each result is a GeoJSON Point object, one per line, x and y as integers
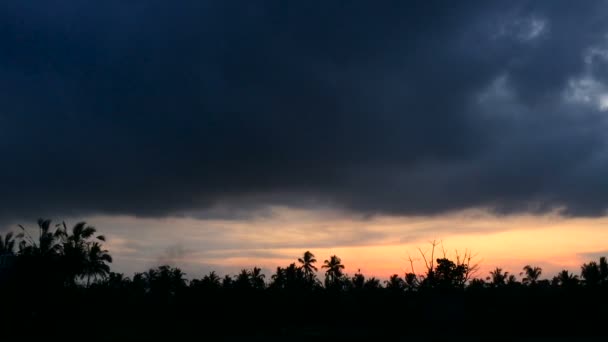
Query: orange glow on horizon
{"type": "Point", "coordinates": [378, 246]}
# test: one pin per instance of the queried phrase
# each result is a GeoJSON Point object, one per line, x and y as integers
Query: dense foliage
{"type": "Point", "coordinates": [58, 283]}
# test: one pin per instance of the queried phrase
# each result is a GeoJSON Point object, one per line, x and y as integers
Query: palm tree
{"type": "Point", "coordinates": [257, 278]}
{"type": "Point", "coordinates": [242, 281]}
{"type": "Point", "coordinates": [164, 280]}
{"type": "Point", "coordinates": [308, 265]}
{"type": "Point", "coordinates": [603, 270]}
{"type": "Point", "coordinates": [411, 281]}
{"type": "Point", "coordinates": [77, 247]}
{"type": "Point", "coordinates": [47, 243]}
{"type": "Point", "coordinates": [7, 244]}
{"type": "Point", "coordinates": [291, 278]}
{"type": "Point", "coordinates": [42, 256]}
{"type": "Point", "coordinates": [212, 280]}
{"type": "Point", "coordinates": [334, 270]}
{"type": "Point", "coordinates": [591, 274]}
{"type": "Point", "coordinates": [395, 283]}
{"type": "Point", "coordinates": [81, 235]}
{"type": "Point", "coordinates": [96, 262]}
{"type": "Point", "coordinates": [565, 279]}
{"type": "Point", "coordinates": [227, 282]}
{"type": "Point", "coordinates": [498, 277]}
{"type": "Point", "coordinates": [279, 279]}
{"type": "Point", "coordinates": [116, 281]}
{"type": "Point", "coordinates": [7, 249]}
{"type": "Point", "coordinates": [531, 275]}
{"type": "Point", "coordinates": [372, 284]}
{"type": "Point", "coordinates": [512, 280]}
{"type": "Point", "coordinates": [358, 281]}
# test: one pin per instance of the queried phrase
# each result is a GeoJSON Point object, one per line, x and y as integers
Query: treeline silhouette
{"type": "Point", "coordinates": [58, 283]}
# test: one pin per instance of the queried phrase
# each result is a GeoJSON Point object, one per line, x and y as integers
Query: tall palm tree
{"type": "Point", "coordinates": [78, 244]}
{"type": "Point", "coordinates": [308, 266]}
{"type": "Point", "coordinates": [96, 262]}
{"type": "Point", "coordinates": [7, 244]}
{"type": "Point", "coordinates": [42, 256]}
{"type": "Point", "coordinates": [334, 270]}
{"type": "Point", "coordinates": [47, 243]}
{"type": "Point", "coordinates": [531, 275]}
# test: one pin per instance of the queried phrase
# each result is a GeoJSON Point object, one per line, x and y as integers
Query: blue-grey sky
{"type": "Point", "coordinates": [224, 109]}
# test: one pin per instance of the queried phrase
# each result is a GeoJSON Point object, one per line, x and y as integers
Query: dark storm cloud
{"type": "Point", "coordinates": [163, 108]}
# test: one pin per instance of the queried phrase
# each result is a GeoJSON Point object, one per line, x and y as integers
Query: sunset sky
{"type": "Point", "coordinates": [219, 135]}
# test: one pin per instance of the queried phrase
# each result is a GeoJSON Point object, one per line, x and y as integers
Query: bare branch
{"type": "Point", "coordinates": [426, 264]}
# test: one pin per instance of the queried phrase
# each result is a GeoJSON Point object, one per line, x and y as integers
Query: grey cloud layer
{"type": "Point", "coordinates": [156, 108]}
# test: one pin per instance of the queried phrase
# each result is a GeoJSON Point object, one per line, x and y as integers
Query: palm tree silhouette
{"type": "Point", "coordinates": [46, 244]}
{"type": "Point", "coordinates": [334, 270]}
{"type": "Point", "coordinates": [395, 283]}
{"type": "Point", "coordinates": [411, 281]}
{"type": "Point", "coordinates": [531, 275]}
{"type": "Point", "coordinates": [278, 279]}
{"type": "Point", "coordinates": [358, 280]}
{"type": "Point", "coordinates": [96, 264]}
{"type": "Point", "coordinates": [83, 256]}
{"type": "Point", "coordinates": [7, 249]}
{"type": "Point", "coordinates": [257, 278]}
{"type": "Point", "coordinates": [209, 281]}
{"type": "Point", "coordinates": [164, 281]}
{"type": "Point", "coordinates": [242, 281]}
{"type": "Point", "coordinates": [7, 244]}
{"type": "Point", "coordinates": [565, 279]}
{"type": "Point", "coordinates": [227, 282]}
{"type": "Point", "coordinates": [308, 266]}
{"type": "Point", "coordinates": [212, 280]}
{"type": "Point", "coordinates": [372, 284]}
{"type": "Point", "coordinates": [116, 281]}
{"type": "Point", "coordinates": [498, 277]}
{"type": "Point", "coordinates": [591, 274]}
{"type": "Point", "coordinates": [603, 270]}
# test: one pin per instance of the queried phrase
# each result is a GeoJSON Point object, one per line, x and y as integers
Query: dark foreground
{"type": "Point", "coordinates": [103, 314]}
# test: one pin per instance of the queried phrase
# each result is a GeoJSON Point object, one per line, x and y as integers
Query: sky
{"type": "Point", "coordinates": [227, 134]}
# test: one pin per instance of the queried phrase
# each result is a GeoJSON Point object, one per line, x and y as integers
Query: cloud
{"type": "Point", "coordinates": [163, 109]}
{"type": "Point", "coordinates": [593, 256]}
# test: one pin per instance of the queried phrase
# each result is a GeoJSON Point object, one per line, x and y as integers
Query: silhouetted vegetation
{"type": "Point", "coordinates": [58, 280]}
